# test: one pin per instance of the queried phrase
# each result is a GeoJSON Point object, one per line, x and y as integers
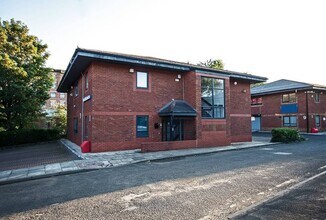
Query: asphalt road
{"type": "Point", "coordinates": [308, 201]}
{"type": "Point", "coordinates": [198, 187]}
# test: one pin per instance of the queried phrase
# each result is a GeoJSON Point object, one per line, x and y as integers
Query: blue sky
{"type": "Point", "coordinates": [276, 39]}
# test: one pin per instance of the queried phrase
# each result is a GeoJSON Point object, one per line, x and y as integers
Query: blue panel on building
{"type": "Point", "coordinates": [289, 108]}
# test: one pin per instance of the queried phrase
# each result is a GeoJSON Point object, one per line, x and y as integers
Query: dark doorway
{"type": "Point", "coordinates": [172, 130]}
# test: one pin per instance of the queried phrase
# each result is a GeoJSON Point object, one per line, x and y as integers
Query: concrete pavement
{"type": "Point", "coordinates": [91, 161]}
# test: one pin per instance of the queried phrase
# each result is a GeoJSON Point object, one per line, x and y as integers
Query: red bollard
{"type": "Point", "coordinates": [86, 147]}
{"type": "Point", "coordinates": [314, 130]}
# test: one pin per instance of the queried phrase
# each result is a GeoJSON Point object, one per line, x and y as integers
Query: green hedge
{"type": "Point", "coordinates": [286, 135]}
{"type": "Point", "coordinates": [25, 136]}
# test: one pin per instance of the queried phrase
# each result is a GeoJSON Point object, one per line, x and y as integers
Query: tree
{"type": "Point", "coordinates": [215, 64]}
{"type": "Point", "coordinates": [257, 84]}
{"type": "Point", "coordinates": [24, 79]}
{"type": "Point", "coordinates": [59, 119]}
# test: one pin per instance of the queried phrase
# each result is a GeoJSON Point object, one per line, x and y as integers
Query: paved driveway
{"type": "Point", "coordinates": [34, 155]}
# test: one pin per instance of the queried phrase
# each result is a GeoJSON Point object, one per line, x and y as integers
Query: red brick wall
{"type": "Point", "coordinates": [116, 102]}
{"type": "Point", "coordinates": [314, 108]}
{"type": "Point", "coordinates": [240, 113]}
{"type": "Point", "coordinates": [74, 109]}
{"type": "Point", "coordinates": [271, 116]}
{"type": "Point", "coordinates": [167, 145]}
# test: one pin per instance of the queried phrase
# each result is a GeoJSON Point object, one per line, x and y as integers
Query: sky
{"type": "Point", "coordinates": [277, 39]}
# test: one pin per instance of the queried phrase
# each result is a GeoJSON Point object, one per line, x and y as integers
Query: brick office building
{"type": "Point", "coordinates": [118, 102]}
{"type": "Point", "coordinates": [286, 103]}
{"type": "Point", "coordinates": [56, 98]}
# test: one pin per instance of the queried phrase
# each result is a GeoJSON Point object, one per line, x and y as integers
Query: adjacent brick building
{"type": "Point", "coordinates": [119, 102]}
{"type": "Point", "coordinates": [56, 98]}
{"type": "Point", "coordinates": [286, 103]}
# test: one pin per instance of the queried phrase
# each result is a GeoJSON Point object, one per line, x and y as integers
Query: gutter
{"type": "Point", "coordinates": [280, 91]}
{"type": "Point", "coordinates": [133, 61]}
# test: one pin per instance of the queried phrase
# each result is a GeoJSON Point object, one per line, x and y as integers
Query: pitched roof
{"type": "Point", "coordinates": [177, 108]}
{"type": "Point", "coordinates": [284, 85]}
{"type": "Point", "coordinates": [83, 57]}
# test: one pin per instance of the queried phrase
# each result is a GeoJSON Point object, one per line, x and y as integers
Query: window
{"type": "Point", "coordinates": [212, 98]}
{"type": "Point", "coordinates": [62, 95]}
{"type": "Point", "coordinates": [86, 80]}
{"type": "Point", "coordinates": [54, 85]}
{"type": "Point", "coordinates": [289, 98]}
{"type": "Point", "coordinates": [76, 88]}
{"type": "Point", "coordinates": [317, 97]}
{"type": "Point", "coordinates": [142, 126]}
{"type": "Point", "coordinates": [142, 80]}
{"type": "Point", "coordinates": [317, 120]}
{"type": "Point", "coordinates": [257, 101]}
{"type": "Point", "coordinates": [75, 125]}
{"type": "Point", "coordinates": [53, 94]}
{"type": "Point", "coordinates": [290, 121]}
{"type": "Point", "coordinates": [62, 102]}
{"type": "Point", "coordinates": [53, 103]}
{"type": "Point", "coordinates": [86, 127]}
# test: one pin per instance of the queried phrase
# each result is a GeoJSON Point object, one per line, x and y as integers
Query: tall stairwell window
{"type": "Point", "coordinates": [212, 98]}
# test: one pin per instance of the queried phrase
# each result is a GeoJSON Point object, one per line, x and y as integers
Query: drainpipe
{"type": "Point", "coordinates": [307, 111]}
{"type": "Point", "coordinates": [82, 111]}
{"type": "Point", "coordinates": [183, 87]}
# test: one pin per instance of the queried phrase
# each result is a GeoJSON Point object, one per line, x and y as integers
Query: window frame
{"type": "Point", "coordinates": [53, 103]}
{"type": "Point", "coordinates": [317, 124]}
{"type": "Point", "coordinates": [75, 121]}
{"type": "Point", "coordinates": [147, 80]}
{"type": "Point", "coordinates": [315, 97]}
{"type": "Point", "coordinates": [289, 97]}
{"type": "Point", "coordinates": [76, 89]}
{"type": "Point", "coordinates": [257, 101]}
{"type": "Point", "coordinates": [62, 95]}
{"type": "Point", "coordinates": [86, 81]}
{"type": "Point", "coordinates": [55, 94]}
{"type": "Point", "coordinates": [290, 124]}
{"type": "Point", "coordinates": [142, 134]}
{"type": "Point", "coordinates": [213, 105]}
{"type": "Point", "coordinates": [86, 119]}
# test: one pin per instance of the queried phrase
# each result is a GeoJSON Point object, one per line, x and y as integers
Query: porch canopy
{"type": "Point", "coordinates": [177, 108]}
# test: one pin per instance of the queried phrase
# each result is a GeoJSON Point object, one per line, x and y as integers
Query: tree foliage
{"type": "Point", "coordinates": [59, 119]}
{"type": "Point", "coordinates": [24, 79]}
{"type": "Point", "coordinates": [257, 84]}
{"type": "Point", "coordinates": [215, 64]}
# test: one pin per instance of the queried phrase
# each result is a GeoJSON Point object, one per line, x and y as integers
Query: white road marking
{"type": "Point", "coordinates": [233, 205]}
{"type": "Point", "coordinates": [323, 167]}
{"type": "Point", "coordinates": [285, 183]}
{"type": "Point", "coordinates": [282, 153]}
{"type": "Point", "coordinates": [267, 148]}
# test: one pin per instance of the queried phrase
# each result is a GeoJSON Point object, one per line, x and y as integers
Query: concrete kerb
{"type": "Point", "coordinates": [273, 198]}
{"type": "Point", "coordinates": [43, 176]}
{"type": "Point", "coordinates": [75, 149]}
{"type": "Point", "coordinates": [142, 160]}
{"type": "Point", "coordinates": [206, 153]}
